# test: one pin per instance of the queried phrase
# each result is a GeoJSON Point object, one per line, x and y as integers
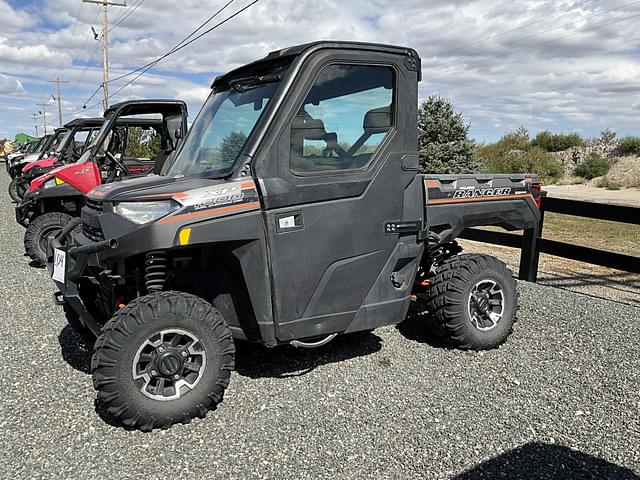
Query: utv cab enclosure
{"type": "Point", "coordinates": [293, 212]}
{"type": "Point", "coordinates": [136, 138]}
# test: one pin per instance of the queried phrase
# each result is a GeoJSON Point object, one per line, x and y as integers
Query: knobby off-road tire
{"type": "Point", "coordinates": [139, 342]}
{"type": "Point", "coordinates": [460, 299]}
{"type": "Point", "coordinates": [35, 237]}
{"type": "Point", "coordinates": [13, 190]}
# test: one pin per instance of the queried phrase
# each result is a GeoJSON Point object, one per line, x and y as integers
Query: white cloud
{"type": "Point", "coordinates": [10, 86]}
{"type": "Point", "coordinates": [563, 65]}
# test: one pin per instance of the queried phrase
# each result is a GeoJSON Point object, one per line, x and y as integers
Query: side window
{"type": "Point", "coordinates": [343, 120]}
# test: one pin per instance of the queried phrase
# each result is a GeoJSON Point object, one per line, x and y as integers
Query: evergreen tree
{"type": "Point", "coordinates": [231, 145]}
{"type": "Point", "coordinates": [444, 145]}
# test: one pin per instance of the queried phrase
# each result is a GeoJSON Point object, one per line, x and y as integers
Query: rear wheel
{"type": "Point", "coordinates": [13, 190]}
{"type": "Point", "coordinates": [39, 230]}
{"type": "Point", "coordinates": [472, 302]}
{"type": "Point", "coordinates": [163, 359]}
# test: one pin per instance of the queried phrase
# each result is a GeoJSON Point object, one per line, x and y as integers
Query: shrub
{"type": "Point", "coordinates": [513, 153]}
{"type": "Point", "coordinates": [630, 145]}
{"type": "Point", "coordinates": [609, 184]}
{"type": "Point", "coordinates": [444, 144]}
{"type": "Point", "coordinates": [592, 167]}
{"type": "Point", "coordinates": [556, 142]}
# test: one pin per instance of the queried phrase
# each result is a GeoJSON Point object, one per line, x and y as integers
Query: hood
{"type": "Point", "coordinates": [80, 176]}
{"type": "Point", "coordinates": [151, 186]}
{"type": "Point", "coordinates": [32, 157]}
{"type": "Point", "coordinates": [44, 163]}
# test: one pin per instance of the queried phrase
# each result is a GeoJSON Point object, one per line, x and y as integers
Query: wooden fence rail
{"type": "Point", "coordinates": [532, 244]}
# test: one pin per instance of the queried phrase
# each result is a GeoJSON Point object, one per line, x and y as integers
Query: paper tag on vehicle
{"type": "Point", "coordinates": [287, 222]}
{"type": "Point", "coordinates": [59, 263]}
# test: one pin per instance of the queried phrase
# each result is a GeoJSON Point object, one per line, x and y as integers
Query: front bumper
{"type": "Point", "coordinates": [77, 259]}
{"type": "Point", "coordinates": [24, 211]}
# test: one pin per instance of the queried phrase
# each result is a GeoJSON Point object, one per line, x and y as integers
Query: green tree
{"type": "Point", "coordinates": [443, 141]}
{"type": "Point", "coordinates": [142, 143]}
{"type": "Point", "coordinates": [556, 142]}
{"type": "Point", "coordinates": [231, 146]}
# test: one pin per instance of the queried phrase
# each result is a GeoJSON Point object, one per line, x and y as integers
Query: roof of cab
{"type": "Point", "coordinates": [299, 49]}
{"type": "Point", "coordinates": [153, 105]}
{"type": "Point", "coordinates": [97, 121]}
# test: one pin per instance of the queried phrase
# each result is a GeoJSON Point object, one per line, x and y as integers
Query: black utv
{"type": "Point", "coordinates": [292, 213]}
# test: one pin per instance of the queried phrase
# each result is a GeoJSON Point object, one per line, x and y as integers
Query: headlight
{"type": "Point", "coordinates": [52, 182]}
{"type": "Point", "coordinates": [144, 212]}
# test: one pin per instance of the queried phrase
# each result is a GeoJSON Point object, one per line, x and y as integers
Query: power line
{"type": "Point", "coordinates": [180, 47]}
{"type": "Point", "coordinates": [186, 45]}
{"type": "Point", "coordinates": [120, 77]}
{"type": "Point", "coordinates": [119, 15]}
{"type": "Point", "coordinates": [145, 68]}
{"type": "Point", "coordinates": [117, 22]}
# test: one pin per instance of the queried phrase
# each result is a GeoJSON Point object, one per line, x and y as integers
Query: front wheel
{"type": "Point", "coordinates": [163, 359]}
{"type": "Point", "coordinates": [39, 230]}
{"type": "Point", "coordinates": [13, 190]}
{"type": "Point", "coordinates": [472, 302]}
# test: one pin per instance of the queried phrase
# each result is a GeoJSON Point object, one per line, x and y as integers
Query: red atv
{"type": "Point", "coordinates": [136, 138]}
{"type": "Point", "coordinates": [78, 134]}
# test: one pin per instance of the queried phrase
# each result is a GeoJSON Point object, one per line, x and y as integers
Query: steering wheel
{"type": "Point", "coordinates": [117, 162]}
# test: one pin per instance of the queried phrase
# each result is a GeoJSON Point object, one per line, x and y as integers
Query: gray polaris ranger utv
{"type": "Point", "coordinates": [292, 212]}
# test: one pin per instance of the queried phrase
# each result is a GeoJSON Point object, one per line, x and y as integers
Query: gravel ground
{"type": "Point", "coordinates": [561, 399]}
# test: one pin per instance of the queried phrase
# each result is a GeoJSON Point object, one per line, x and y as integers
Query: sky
{"type": "Point", "coordinates": [557, 65]}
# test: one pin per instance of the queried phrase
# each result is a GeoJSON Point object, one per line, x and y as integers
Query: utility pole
{"type": "Point", "coordinates": [57, 81]}
{"type": "Point", "coordinates": [105, 45]}
{"type": "Point", "coordinates": [35, 121]}
{"type": "Point", "coordinates": [43, 112]}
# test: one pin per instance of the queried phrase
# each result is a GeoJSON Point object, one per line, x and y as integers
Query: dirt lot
{"type": "Point", "coordinates": [561, 399]}
{"type": "Point", "coordinates": [625, 196]}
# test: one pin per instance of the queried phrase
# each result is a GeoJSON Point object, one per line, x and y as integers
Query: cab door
{"type": "Point", "coordinates": [340, 175]}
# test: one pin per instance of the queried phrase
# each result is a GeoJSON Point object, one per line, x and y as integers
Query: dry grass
{"type": "Point", "coordinates": [601, 234]}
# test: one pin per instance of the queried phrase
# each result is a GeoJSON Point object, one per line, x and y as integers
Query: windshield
{"type": "Point", "coordinates": [37, 147]}
{"type": "Point", "coordinates": [63, 143]}
{"type": "Point", "coordinates": [222, 127]}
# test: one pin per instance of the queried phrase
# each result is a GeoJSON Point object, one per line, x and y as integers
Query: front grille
{"type": "Point", "coordinates": [92, 233]}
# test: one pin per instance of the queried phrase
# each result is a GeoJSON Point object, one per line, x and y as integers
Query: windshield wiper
{"type": "Point", "coordinates": [247, 83]}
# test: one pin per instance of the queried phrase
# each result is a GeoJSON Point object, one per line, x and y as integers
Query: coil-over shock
{"type": "Point", "coordinates": [155, 271]}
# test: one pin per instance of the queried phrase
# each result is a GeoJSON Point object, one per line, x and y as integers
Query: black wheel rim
{"type": "Point", "coordinates": [486, 304]}
{"type": "Point", "coordinates": [169, 364]}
